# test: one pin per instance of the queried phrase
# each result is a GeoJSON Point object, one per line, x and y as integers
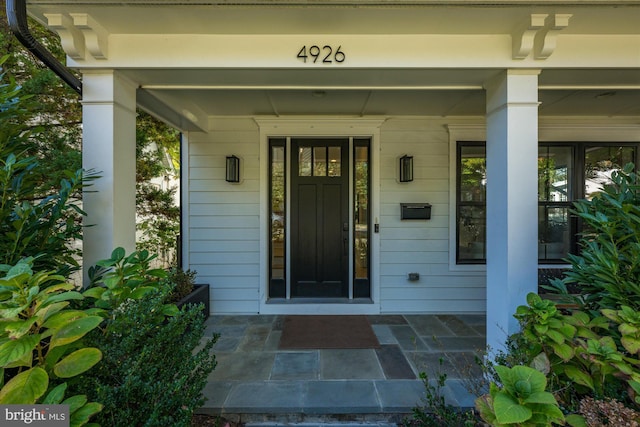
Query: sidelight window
{"type": "Point", "coordinates": [277, 186]}
{"type": "Point", "coordinates": [362, 221]}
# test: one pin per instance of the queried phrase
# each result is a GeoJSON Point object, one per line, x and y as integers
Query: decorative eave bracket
{"type": "Point", "coordinates": [539, 35]}
{"type": "Point", "coordinates": [79, 33]}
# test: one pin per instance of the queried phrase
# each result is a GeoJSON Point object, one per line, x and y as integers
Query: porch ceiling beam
{"type": "Point", "coordinates": [307, 3]}
{"type": "Point", "coordinates": [154, 106]}
{"type": "Point", "coordinates": [309, 87]}
{"type": "Point", "coordinates": [381, 88]}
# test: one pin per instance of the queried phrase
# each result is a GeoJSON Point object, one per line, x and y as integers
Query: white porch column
{"type": "Point", "coordinates": [512, 200]}
{"type": "Point", "coordinates": [108, 147]}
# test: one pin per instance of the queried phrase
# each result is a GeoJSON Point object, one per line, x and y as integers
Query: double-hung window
{"type": "Point", "coordinates": [566, 172]}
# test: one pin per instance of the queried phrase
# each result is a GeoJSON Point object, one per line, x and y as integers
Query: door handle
{"type": "Point", "coordinates": [345, 238]}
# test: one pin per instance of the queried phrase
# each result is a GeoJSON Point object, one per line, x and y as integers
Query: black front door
{"type": "Point", "coordinates": [319, 217]}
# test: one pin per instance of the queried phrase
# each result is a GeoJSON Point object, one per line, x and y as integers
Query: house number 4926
{"type": "Point", "coordinates": [325, 54]}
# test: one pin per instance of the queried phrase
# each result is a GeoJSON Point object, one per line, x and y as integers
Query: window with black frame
{"type": "Point", "coordinates": [471, 204]}
{"type": "Point", "coordinates": [567, 172]}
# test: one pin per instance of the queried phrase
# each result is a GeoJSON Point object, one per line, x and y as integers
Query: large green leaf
{"type": "Point", "coordinates": [508, 410]}
{"type": "Point", "coordinates": [81, 416]}
{"type": "Point", "coordinates": [543, 397]}
{"type": "Point", "coordinates": [56, 395]}
{"type": "Point", "coordinates": [575, 420]}
{"type": "Point", "coordinates": [74, 330]}
{"type": "Point", "coordinates": [46, 312]}
{"type": "Point", "coordinates": [564, 351]}
{"type": "Point", "coordinates": [141, 291]}
{"type": "Point", "coordinates": [578, 376]}
{"type": "Point", "coordinates": [556, 336]}
{"type": "Point", "coordinates": [17, 329]}
{"type": "Point", "coordinates": [62, 318]}
{"type": "Point", "coordinates": [25, 388]}
{"type": "Point", "coordinates": [75, 402]}
{"type": "Point", "coordinates": [77, 362]}
{"type": "Point", "coordinates": [14, 350]}
{"type": "Point", "coordinates": [94, 292]}
{"type": "Point", "coordinates": [65, 296]}
{"type": "Point", "coordinates": [631, 344]}
{"type": "Point", "coordinates": [537, 379]}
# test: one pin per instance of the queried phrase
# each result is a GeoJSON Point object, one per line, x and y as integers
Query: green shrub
{"type": "Point", "coordinates": [520, 401]}
{"type": "Point", "coordinates": [41, 340]}
{"type": "Point", "coordinates": [122, 277]}
{"type": "Point", "coordinates": [153, 371]}
{"type": "Point", "coordinates": [607, 268]}
{"type": "Point", "coordinates": [35, 221]}
{"type": "Point", "coordinates": [182, 282]}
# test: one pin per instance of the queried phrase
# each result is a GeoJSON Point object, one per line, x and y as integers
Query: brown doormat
{"type": "Point", "coordinates": [318, 332]}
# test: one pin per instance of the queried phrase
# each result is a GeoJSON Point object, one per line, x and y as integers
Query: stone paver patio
{"type": "Point", "coordinates": [257, 382]}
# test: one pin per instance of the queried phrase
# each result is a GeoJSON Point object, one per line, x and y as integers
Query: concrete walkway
{"type": "Point", "coordinates": [256, 382]}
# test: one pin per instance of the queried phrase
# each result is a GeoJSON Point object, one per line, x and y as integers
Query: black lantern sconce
{"type": "Point", "coordinates": [406, 168]}
{"type": "Point", "coordinates": [233, 169]}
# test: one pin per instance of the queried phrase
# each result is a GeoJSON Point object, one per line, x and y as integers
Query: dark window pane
{"type": "Point", "coordinates": [361, 209]}
{"type": "Point", "coordinates": [473, 176]}
{"type": "Point", "coordinates": [554, 174]}
{"type": "Point", "coordinates": [319, 161]}
{"type": "Point", "coordinates": [553, 232]}
{"type": "Point", "coordinates": [278, 213]}
{"type": "Point", "coordinates": [334, 161]}
{"type": "Point", "coordinates": [471, 232]}
{"type": "Point", "coordinates": [304, 161]}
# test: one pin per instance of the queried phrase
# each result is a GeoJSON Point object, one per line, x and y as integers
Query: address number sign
{"type": "Point", "coordinates": [324, 55]}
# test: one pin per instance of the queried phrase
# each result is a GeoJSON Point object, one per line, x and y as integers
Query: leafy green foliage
{"type": "Point", "coordinates": [52, 114]}
{"type": "Point", "coordinates": [608, 266]}
{"type": "Point", "coordinates": [590, 352]}
{"type": "Point", "coordinates": [123, 277]}
{"type": "Point", "coordinates": [153, 372]}
{"type": "Point", "coordinates": [521, 401]}
{"type": "Point", "coordinates": [543, 325]}
{"type": "Point", "coordinates": [41, 340]}
{"type": "Point", "coordinates": [628, 321]}
{"type": "Point", "coordinates": [53, 118]}
{"type": "Point", "coordinates": [34, 221]}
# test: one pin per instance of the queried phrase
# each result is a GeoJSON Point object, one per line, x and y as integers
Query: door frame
{"type": "Point", "coordinates": [320, 127]}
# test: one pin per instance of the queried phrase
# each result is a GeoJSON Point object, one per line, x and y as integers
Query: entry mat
{"type": "Point", "coordinates": [320, 332]}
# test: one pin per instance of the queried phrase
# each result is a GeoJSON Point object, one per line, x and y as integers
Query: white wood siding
{"type": "Point", "coordinates": [420, 246]}
{"type": "Point", "coordinates": [223, 218]}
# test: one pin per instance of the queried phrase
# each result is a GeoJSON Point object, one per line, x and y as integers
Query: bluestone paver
{"type": "Point", "coordinates": [256, 378]}
{"type": "Point", "coordinates": [341, 397]}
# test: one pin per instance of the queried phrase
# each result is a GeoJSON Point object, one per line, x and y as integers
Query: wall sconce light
{"type": "Point", "coordinates": [406, 168]}
{"type": "Point", "coordinates": [233, 169]}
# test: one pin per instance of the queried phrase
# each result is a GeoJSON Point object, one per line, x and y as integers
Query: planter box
{"type": "Point", "coordinates": [200, 294]}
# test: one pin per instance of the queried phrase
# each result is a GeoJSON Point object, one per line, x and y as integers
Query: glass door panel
{"type": "Point", "coordinates": [277, 225]}
{"type": "Point", "coordinates": [361, 198]}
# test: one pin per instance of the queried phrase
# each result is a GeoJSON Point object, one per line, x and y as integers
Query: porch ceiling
{"type": "Point", "coordinates": [382, 92]}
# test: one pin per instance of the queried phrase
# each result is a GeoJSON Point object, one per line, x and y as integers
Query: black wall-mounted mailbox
{"type": "Point", "coordinates": [419, 211]}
